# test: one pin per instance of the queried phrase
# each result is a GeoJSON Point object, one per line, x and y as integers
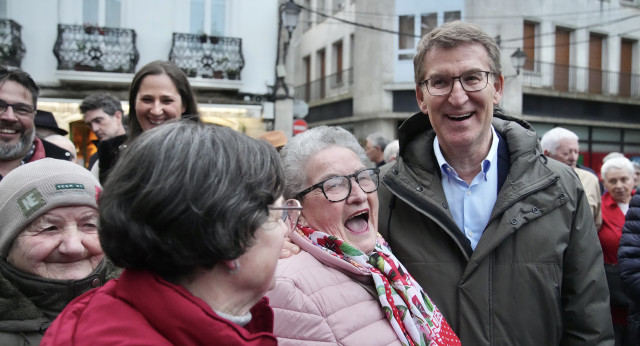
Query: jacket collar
{"type": "Point", "coordinates": [24, 296]}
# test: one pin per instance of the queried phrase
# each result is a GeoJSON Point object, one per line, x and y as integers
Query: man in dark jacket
{"type": "Point", "coordinates": [501, 237]}
{"type": "Point", "coordinates": [18, 141]}
{"type": "Point", "coordinates": [629, 266]}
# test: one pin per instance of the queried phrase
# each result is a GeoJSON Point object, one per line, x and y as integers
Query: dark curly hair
{"type": "Point", "coordinates": [185, 196]}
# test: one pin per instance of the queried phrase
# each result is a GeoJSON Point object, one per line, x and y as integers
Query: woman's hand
{"type": "Point", "coordinates": [289, 248]}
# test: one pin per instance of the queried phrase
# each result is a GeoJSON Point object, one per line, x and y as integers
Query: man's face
{"type": "Point", "coordinates": [373, 152]}
{"type": "Point", "coordinates": [461, 119]}
{"type": "Point", "coordinates": [16, 130]}
{"type": "Point", "coordinates": [567, 152]}
{"type": "Point", "coordinates": [104, 125]}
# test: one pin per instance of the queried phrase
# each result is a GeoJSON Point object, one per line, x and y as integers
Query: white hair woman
{"type": "Point", "coordinates": [345, 287]}
{"type": "Point", "coordinates": [49, 245]}
{"type": "Point", "coordinates": [617, 175]}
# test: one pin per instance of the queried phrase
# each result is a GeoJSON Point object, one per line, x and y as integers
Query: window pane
{"type": "Point", "coordinates": [217, 17]}
{"type": "Point", "coordinates": [429, 22]}
{"type": "Point", "coordinates": [113, 13]}
{"type": "Point", "coordinates": [606, 134]}
{"type": "Point", "coordinates": [3, 8]}
{"type": "Point", "coordinates": [90, 12]}
{"type": "Point", "coordinates": [451, 16]}
{"type": "Point", "coordinates": [197, 17]}
{"type": "Point", "coordinates": [405, 40]}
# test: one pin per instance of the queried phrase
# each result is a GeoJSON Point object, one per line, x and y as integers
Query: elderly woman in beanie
{"type": "Point", "coordinates": [49, 246]}
{"type": "Point", "coordinates": [345, 287]}
{"type": "Point", "coordinates": [199, 234]}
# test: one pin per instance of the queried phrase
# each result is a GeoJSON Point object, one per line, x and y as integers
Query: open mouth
{"type": "Point", "coordinates": [358, 223]}
{"type": "Point", "coordinates": [156, 122]}
{"type": "Point", "coordinates": [460, 117]}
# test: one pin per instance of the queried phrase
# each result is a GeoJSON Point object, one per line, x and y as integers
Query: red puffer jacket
{"type": "Point", "coordinates": [140, 308]}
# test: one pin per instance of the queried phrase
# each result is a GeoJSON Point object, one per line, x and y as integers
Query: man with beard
{"type": "Point", "coordinates": [18, 141]}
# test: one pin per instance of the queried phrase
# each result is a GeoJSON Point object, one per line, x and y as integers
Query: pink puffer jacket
{"type": "Point", "coordinates": [317, 301]}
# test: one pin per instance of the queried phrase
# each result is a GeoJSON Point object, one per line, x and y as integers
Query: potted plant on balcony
{"type": "Point", "coordinates": [233, 73]}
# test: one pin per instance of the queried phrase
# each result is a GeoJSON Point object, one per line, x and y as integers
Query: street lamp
{"type": "Point", "coordinates": [289, 15]}
{"type": "Point", "coordinates": [518, 58]}
{"type": "Point", "coordinates": [289, 12]}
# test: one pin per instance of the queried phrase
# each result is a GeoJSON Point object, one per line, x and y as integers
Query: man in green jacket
{"type": "Point", "coordinates": [501, 237]}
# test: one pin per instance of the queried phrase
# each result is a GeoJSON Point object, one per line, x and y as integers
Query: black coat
{"type": "Point", "coordinates": [629, 263]}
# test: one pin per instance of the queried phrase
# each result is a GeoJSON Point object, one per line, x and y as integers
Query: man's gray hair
{"type": "Point", "coordinates": [378, 139]}
{"type": "Point", "coordinates": [550, 140]}
{"type": "Point", "coordinates": [451, 35]}
{"type": "Point", "coordinates": [299, 150]}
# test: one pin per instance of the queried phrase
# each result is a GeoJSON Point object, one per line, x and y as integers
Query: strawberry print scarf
{"type": "Point", "coordinates": [412, 314]}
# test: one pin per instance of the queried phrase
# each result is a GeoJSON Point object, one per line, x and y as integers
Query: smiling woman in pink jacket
{"type": "Point", "coordinates": [345, 287]}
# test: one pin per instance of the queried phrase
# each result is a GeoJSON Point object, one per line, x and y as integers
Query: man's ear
{"type": "Point", "coordinates": [118, 115]}
{"type": "Point", "coordinates": [420, 99]}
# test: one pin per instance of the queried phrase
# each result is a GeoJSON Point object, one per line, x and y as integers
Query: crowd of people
{"type": "Point", "coordinates": [466, 230]}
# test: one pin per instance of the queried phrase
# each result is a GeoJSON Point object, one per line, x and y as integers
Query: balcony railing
{"type": "Point", "coordinates": [100, 49]}
{"type": "Point", "coordinates": [333, 85]}
{"type": "Point", "coordinates": [11, 47]}
{"type": "Point", "coordinates": [580, 79]}
{"type": "Point", "coordinates": [208, 56]}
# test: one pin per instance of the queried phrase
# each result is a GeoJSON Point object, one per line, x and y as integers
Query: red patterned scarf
{"type": "Point", "coordinates": [412, 314]}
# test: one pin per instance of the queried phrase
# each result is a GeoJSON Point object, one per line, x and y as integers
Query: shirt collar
{"type": "Point", "coordinates": [486, 163]}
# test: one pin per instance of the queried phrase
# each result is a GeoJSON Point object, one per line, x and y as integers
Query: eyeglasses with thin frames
{"type": "Point", "coordinates": [291, 210]}
{"type": "Point", "coordinates": [470, 81]}
{"type": "Point", "coordinates": [338, 188]}
{"type": "Point", "coordinates": [21, 109]}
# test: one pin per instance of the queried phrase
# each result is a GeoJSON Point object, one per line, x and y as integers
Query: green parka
{"type": "Point", "coordinates": [535, 278]}
{"type": "Point", "coordinates": [28, 304]}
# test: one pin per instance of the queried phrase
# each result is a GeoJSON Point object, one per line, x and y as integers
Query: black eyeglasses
{"type": "Point", "coordinates": [338, 188]}
{"type": "Point", "coordinates": [470, 81]}
{"type": "Point", "coordinates": [291, 210]}
{"type": "Point", "coordinates": [18, 108]}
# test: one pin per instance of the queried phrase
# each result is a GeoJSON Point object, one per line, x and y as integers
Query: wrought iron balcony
{"type": "Point", "coordinates": [99, 49]}
{"type": "Point", "coordinates": [334, 85]}
{"type": "Point", "coordinates": [582, 80]}
{"type": "Point", "coordinates": [208, 56]}
{"type": "Point", "coordinates": [11, 47]}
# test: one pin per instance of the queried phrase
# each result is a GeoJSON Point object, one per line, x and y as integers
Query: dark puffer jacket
{"type": "Point", "coordinates": [629, 264]}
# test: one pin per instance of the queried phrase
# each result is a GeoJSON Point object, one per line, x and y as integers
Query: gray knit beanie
{"type": "Point", "coordinates": [31, 190]}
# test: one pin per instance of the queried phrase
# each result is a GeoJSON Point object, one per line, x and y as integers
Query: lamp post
{"type": "Point", "coordinates": [282, 101]}
{"type": "Point", "coordinates": [518, 58]}
{"type": "Point", "coordinates": [289, 12]}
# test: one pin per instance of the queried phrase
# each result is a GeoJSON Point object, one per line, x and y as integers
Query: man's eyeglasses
{"type": "Point", "coordinates": [338, 188]}
{"type": "Point", "coordinates": [291, 209]}
{"type": "Point", "coordinates": [470, 81]}
{"type": "Point", "coordinates": [18, 108]}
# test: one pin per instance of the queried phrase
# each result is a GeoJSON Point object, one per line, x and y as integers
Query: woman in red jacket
{"type": "Point", "coordinates": [617, 175]}
{"type": "Point", "coordinates": [194, 214]}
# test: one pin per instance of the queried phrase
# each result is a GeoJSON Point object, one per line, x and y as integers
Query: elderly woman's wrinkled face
{"type": "Point", "coordinates": [62, 244]}
{"type": "Point", "coordinates": [619, 183]}
{"type": "Point", "coordinates": [354, 219]}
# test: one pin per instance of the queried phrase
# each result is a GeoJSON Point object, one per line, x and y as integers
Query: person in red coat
{"type": "Point", "coordinates": [198, 231]}
{"type": "Point", "coordinates": [617, 175]}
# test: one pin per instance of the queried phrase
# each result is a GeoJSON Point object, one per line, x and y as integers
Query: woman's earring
{"type": "Point", "coordinates": [236, 267]}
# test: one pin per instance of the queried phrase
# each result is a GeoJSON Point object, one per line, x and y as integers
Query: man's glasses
{"type": "Point", "coordinates": [338, 188]}
{"type": "Point", "coordinates": [18, 108]}
{"type": "Point", "coordinates": [291, 209]}
{"type": "Point", "coordinates": [470, 81]}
